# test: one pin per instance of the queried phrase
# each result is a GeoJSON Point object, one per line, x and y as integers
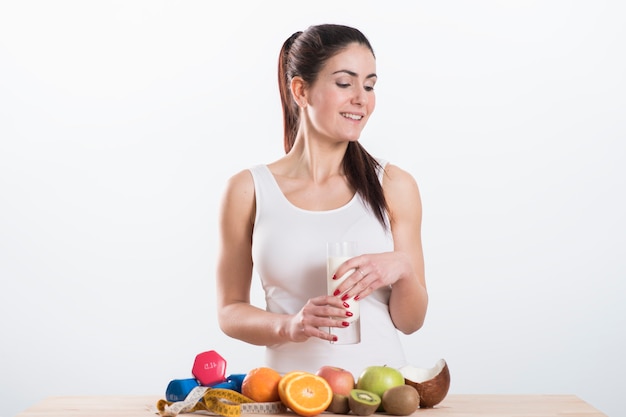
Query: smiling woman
{"type": "Point", "coordinates": [277, 219]}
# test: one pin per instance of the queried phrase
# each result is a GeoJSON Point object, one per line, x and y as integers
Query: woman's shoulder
{"type": "Point", "coordinates": [402, 194]}
{"type": "Point", "coordinates": [399, 186]}
{"type": "Point", "coordinates": [238, 197]}
{"type": "Point", "coordinates": [243, 178]}
{"type": "Point", "coordinates": [398, 177]}
{"type": "Point", "coordinates": [240, 186]}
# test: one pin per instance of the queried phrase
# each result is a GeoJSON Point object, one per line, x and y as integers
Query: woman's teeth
{"type": "Point", "coordinates": [352, 116]}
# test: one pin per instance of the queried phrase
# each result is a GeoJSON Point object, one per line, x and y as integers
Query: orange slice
{"type": "Point", "coordinates": [307, 394]}
{"type": "Point", "coordinates": [283, 381]}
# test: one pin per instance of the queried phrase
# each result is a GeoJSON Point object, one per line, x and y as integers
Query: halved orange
{"type": "Point", "coordinates": [283, 381]}
{"type": "Point", "coordinates": [307, 394]}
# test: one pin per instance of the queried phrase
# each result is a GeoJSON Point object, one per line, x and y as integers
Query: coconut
{"type": "Point", "coordinates": [431, 384]}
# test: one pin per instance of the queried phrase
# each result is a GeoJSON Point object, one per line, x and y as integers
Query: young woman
{"type": "Point", "coordinates": [277, 218]}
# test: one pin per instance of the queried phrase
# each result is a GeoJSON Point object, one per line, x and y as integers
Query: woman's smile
{"type": "Point", "coordinates": [352, 116]}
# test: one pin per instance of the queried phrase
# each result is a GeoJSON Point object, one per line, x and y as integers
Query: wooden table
{"type": "Point", "coordinates": [454, 405]}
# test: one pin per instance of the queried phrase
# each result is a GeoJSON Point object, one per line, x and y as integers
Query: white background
{"type": "Point", "coordinates": [120, 122]}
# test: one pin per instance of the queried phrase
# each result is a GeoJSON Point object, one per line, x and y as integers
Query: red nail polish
{"type": "Point", "coordinates": [356, 298]}
{"type": "Point", "coordinates": [349, 313]}
{"type": "Point", "coordinates": [334, 276]}
{"type": "Point", "coordinates": [336, 292]}
{"type": "Point", "coordinates": [345, 297]}
{"type": "Point", "coordinates": [346, 305]}
{"type": "Point", "coordinates": [345, 323]}
{"type": "Point", "coordinates": [334, 338]}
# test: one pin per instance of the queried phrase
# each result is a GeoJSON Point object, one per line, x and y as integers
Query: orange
{"type": "Point", "coordinates": [283, 381]}
{"type": "Point", "coordinates": [261, 385]}
{"type": "Point", "coordinates": [307, 394]}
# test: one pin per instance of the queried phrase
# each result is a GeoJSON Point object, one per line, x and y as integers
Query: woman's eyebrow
{"type": "Point", "coordinates": [354, 74]}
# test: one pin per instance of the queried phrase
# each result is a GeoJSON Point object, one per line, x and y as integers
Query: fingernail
{"type": "Point", "coordinates": [345, 297]}
{"type": "Point", "coordinates": [346, 305]}
{"type": "Point", "coordinates": [356, 298]}
{"type": "Point", "coordinates": [345, 323]}
{"type": "Point", "coordinates": [349, 313]}
{"type": "Point", "coordinates": [334, 338]}
{"type": "Point", "coordinates": [334, 276]}
{"type": "Point", "coordinates": [336, 292]}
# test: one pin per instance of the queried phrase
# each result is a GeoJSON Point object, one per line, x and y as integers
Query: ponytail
{"type": "Point", "coordinates": [363, 170]}
{"type": "Point", "coordinates": [291, 113]}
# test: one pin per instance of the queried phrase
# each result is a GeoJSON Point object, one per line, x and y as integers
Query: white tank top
{"type": "Point", "coordinates": [289, 255]}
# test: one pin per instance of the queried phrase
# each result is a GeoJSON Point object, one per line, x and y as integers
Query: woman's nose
{"type": "Point", "coordinates": [360, 97]}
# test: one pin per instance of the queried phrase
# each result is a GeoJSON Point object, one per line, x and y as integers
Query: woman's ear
{"type": "Point", "coordinates": [299, 92]}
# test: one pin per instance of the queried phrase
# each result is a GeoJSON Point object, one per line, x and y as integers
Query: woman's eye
{"type": "Point", "coordinates": [347, 85]}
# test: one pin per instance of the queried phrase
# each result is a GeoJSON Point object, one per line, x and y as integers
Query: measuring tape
{"type": "Point", "coordinates": [224, 402]}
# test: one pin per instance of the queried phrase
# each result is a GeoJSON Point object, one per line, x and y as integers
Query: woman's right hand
{"type": "Point", "coordinates": [316, 316]}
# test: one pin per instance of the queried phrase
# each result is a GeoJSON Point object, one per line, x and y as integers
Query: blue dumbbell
{"type": "Point", "coordinates": [178, 389]}
{"type": "Point", "coordinates": [236, 380]}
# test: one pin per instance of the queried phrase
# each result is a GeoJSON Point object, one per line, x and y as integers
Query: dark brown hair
{"type": "Point", "coordinates": [303, 55]}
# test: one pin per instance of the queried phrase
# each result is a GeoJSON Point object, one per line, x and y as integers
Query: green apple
{"type": "Point", "coordinates": [378, 379]}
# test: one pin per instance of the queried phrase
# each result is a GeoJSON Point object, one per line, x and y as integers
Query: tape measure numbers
{"type": "Point", "coordinates": [220, 401]}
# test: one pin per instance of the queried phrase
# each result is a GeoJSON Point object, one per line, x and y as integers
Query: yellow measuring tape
{"type": "Point", "coordinates": [224, 402]}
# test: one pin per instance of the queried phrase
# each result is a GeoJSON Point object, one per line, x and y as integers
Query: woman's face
{"type": "Point", "coordinates": [342, 98]}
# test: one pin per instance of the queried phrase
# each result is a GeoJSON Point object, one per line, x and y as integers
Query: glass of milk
{"type": "Point", "coordinates": [338, 253]}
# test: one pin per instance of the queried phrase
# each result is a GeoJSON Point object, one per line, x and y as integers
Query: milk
{"type": "Point", "coordinates": [333, 263]}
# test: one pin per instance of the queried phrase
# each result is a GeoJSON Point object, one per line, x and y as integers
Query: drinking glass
{"type": "Point", "coordinates": [338, 253]}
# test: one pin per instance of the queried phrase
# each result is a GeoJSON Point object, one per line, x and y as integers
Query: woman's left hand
{"type": "Point", "coordinates": [371, 272]}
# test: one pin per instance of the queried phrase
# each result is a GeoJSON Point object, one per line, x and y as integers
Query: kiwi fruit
{"type": "Point", "coordinates": [339, 404]}
{"type": "Point", "coordinates": [401, 400]}
{"type": "Point", "coordinates": [363, 403]}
